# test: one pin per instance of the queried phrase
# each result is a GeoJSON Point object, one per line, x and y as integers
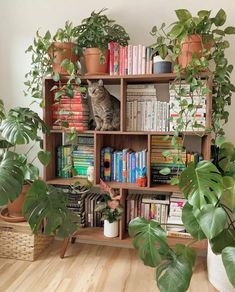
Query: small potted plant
{"type": "Point", "coordinates": [111, 211]}
{"type": "Point", "coordinates": [95, 33]}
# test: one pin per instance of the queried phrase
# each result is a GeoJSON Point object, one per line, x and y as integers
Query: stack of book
{"type": "Point", "coordinates": [154, 206]}
{"type": "Point", "coordinates": [123, 165]}
{"type": "Point", "coordinates": [159, 161]}
{"type": "Point", "coordinates": [144, 111]}
{"type": "Point", "coordinates": [195, 119]}
{"type": "Point", "coordinates": [92, 218]}
{"type": "Point", "coordinates": [72, 111]}
{"type": "Point", "coordinates": [83, 155]}
{"type": "Point", "coordinates": [129, 60]}
{"type": "Point", "coordinates": [64, 160]}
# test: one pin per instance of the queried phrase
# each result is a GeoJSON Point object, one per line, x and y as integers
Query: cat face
{"type": "Point", "coordinates": [96, 89]}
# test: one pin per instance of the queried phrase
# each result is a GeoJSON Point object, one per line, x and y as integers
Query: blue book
{"type": "Point", "coordinates": [133, 168]}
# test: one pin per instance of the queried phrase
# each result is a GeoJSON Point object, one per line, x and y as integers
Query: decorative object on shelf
{"type": "Point", "coordinates": [208, 213]}
{"type": "Point", "coordinates": [162, 65]}
{"type": "Point", "coordinates": [95, 33]}
{"type": "Point", "coordinates": [141, 177]}
{"type": "Point", "coordinates": [110, 209]}
{"type": "Point", "coordinates": [106, 108]}
{"type": "Point", "coordinates": [90, 173]}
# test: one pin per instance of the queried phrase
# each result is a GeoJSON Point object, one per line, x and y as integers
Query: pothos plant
{"type": "Point", "coordinates": [209, 213]}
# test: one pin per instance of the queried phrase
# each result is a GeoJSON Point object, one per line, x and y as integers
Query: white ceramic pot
{"type": "Point", "coordinates": [216, 272]}
{"type": "Point", "coordinates": [110, 229]}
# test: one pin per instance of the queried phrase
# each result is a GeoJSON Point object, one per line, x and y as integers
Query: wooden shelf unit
{"type": "Point", "coordinates": [119, 139]}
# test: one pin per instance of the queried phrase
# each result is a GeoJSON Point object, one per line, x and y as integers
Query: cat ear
{"type": "Point", "coordinates": [89, 82]}
{"type": "Point", "coordinates": [100, 82]}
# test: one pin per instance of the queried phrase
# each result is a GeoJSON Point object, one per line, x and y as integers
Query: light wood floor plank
{"type": "Point", "coordinates": [88, 268]}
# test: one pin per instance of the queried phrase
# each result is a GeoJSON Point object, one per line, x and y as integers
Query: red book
{"type": "Point", "coordinates": [70, 107]}
{"type": "Point", "coordinates": [111, 58]}
{"type": "Point", "coordinates": [120, 60]}
{"type": "Point", "coordinates": [125, 60]}
{"type": "Point", "coordinates": [70, 100]}
{"type": "Point", "coordinates": [74, 118]}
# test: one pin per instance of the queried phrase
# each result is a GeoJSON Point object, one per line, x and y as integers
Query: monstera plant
{"type": "Point", "coordinates": [22, 126]}
{"type": "Point", "coordinates": [209, 213]}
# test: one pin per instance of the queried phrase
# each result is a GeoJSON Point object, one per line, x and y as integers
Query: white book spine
{"type": "Point", "coordinates": [143, 62]}
{"type": "Point", "coordinates": [135, 115]}
{"type": "Point", "coordinates": [139, 59]}
{"type": "Point", "coordinates": [135, 60]}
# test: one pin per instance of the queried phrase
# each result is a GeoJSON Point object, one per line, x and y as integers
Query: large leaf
{"type": "Point", "coordinates": [21, 125]}
{"type": "Point", "coordinates": [224, 239]}
{"type": "Point", "coordinates": [211, 220]}
{"type": "Point", "coordinates": [220, 18]}
{"type": "Point", "coordinates": [201, 182]}
{"type": "Point", "coordinates": [183, 14]}
{"type": "Point", "coordinates": [226, 154]}
{"type": "Point", "coordinates": [228, 257]}
{"type": "Point", "coordinates": [2, 110]}
{"type": "Point", "coordinates": [149, 239]}
{"type": "Point", "coordinates": [47, 204]}
{"type": "Point", "coordinates": [175, 274]}
{"type": "Point", "coordinates": [190, 222]}
{"type": "Point", "coordinates": [44, 157]}
{"type": "Point", "coordinates": [228, 197]}
{"type": "Point", "coordinates": [11, 179]}
{"type": "Point", "coordinates": [176, 30]}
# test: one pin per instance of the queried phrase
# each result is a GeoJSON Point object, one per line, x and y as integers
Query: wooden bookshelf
{"type": "Point", "coordinates": [119, 139]}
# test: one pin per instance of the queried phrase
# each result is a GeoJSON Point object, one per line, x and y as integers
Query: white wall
{"type": "Point", "coordinates": [19, 20]}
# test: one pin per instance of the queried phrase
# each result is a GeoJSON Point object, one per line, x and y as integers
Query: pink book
{"type": "Point", "coordinates": [125, 60]}
{"type": "Point", "coordinates": [130, 59]}
{"type": "Point", "coordinates": [139, 59]}
{"type": "Point", "coordinates": [120, 59]}
{"type": "Point", "coordinates": [135, 60]}
{"type": "Point", "coordinates": [111, 58]}
{"type": "Point", "coordinates": [143, 62]}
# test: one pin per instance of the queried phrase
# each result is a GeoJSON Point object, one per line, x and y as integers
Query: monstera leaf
{"type": "Point", "coordinates": [11, 178]}
{"type": "Point", "coordinates": [21, 125]}
{"type": "Point", "coordinates": [228, 257]}
{"type": "Point", "coordinates": [226, 156]}
{"type": "Point", "coordinates": [224, 239]}
{"type": "Point", "coordinates": [228, 197]}
{"type": "Point", "coordinates": [201, 182]}
{"type": "Point", "coordinates": [2, 110]}
{"type": "Point", "coordinates": [45, 203]}
{"type": "Point", "coordinates": [149, 239]}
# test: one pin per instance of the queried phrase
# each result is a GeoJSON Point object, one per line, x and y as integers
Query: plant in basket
{"type": "Point", "coordinates": [111, 210]}
{"type": "Point", "coordinates": [21, 187]}
{"type": "Point", "coordinates": [95, 33]}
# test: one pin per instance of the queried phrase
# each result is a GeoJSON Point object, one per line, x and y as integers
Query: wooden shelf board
{"type": "Point", "coordinates": [94, 235]}
{"type": "Point", "coordinates": [66, 181]}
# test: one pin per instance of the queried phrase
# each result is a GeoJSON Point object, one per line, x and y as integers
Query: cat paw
{"type": "Point", "coordinates": [98, 129]}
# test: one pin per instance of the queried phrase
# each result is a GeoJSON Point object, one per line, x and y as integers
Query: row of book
{"type": "Point", "coordinates": [193, 119]}
{"type": "Point", "coordinates": [129, 60]}
{"type": "Point", "coordinates": [122, 165]}
{"type": "Point", "coordinates": [144, 112]}
{"type": "Point", "coordinates": [74, 160]}
{"type": "Point", "coordinates": [71, 112]}
{"type": "Point", "coordinates": [174, 158]}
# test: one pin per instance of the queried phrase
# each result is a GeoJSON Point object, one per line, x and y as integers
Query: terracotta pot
{"type": "Point", "coordinates": [191, 45]}
{"type": "Point", "coordinates": [15, 208]}
{"type": "Point", "coordinates": [60, 51]}
{"type": "Point", "coordinates": [92, 61]}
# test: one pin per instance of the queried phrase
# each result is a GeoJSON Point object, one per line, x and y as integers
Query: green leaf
{"type": "Point", "coordinates": [183, 14]}
{"type": "Point", "coordinates": [190, 222]}
{"type": "Point", "coordinates": [204, 13]}
{"type": "Point", "coordinates": [222, 240]}
{"type": "Point", "coordinates": [56, 77]}
{"type": "Point", "coordinates": [228, 257]}
{"type": "Point", "coordinates": [165, 171]}
{"type": "Point", "coordinates": [44, 157]}
{"type": "Point", "coordinates": [200, 182]}
{"type": "Point", "coordinates": [46, 204]}
{"type": "Point", "coordinates": [226, 152]}
{"type": "Point", "coordinates": [230, 30]}
{"type": "Point", "coordinates": [163, 51]}
{"type": "Point", "coordinates": [220, 18]}
{"type": "Point", "coordinates": [30, 171]}
{"type": "Point", "coordinates": [211, 220]}
{"type": "Point", "coordinates": [4, 144]}
{"type": "Point", "coordinates": [187, 252]}
{"type": "Point", "coordinates": [175, 275]}
{"type": "Point", "coordinates": [149, 239]}
{"type": "Point", "coordinates": [11, 179]}
{"type": "Point", "coordinates": [176, 30]}
{"type": "Point", "coordinates": [228, 197]}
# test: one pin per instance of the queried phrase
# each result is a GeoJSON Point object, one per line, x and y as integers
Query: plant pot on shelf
{"type": "Point", "coordinates": [162, 65]}
{"type": "Point", "coordinates": [216, 272]}
{"type": "Point", "coordinates": [92, 61]}
{"type": "Point", "coordinates": [110, 229]}
{"type": "Point", "coordinates": [61, 51]}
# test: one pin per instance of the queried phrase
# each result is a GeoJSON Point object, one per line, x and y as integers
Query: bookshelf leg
{"type": "Point", "coordinates": [64, 247]}
{"type": "Point", "coordinates": [73, 239]}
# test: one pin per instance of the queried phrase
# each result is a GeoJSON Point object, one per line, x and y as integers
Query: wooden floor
{"type": "Point", "coordinates": [87, 268]}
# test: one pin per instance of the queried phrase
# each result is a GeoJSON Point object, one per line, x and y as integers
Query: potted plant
{"type": "Point", "coordinates": [208, 213]}
{"type": "Point", "coordinates": [95, 33]}
{"type": "Point", "coordinates": [111, 211]}
{"type": "Point", "coordinates": [21, 126]}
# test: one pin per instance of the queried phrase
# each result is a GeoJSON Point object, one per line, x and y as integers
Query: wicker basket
{"type": "Point", "coordinates": [18, 242]}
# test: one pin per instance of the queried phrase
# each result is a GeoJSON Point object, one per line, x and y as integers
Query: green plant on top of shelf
{"type": "Point", "coordinates": [98, 30]}
{"type": "Point", "coordinates": [209, 213]}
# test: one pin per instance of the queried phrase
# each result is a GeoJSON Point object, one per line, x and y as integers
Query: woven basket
{"type": "Point", "coordinates": [18, 242]}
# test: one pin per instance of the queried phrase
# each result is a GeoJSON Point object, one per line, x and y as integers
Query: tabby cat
{"type": "Point", "coordinates": [106, 108]}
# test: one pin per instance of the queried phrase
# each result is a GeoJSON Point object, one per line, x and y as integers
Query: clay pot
{"type": "Point", "coordinates": [191, 45]}
{"type": "Point", "coordinates": [60, 51]}
{"type": "Point", "coordinates": [15, 208]}
{"type": "Point", "coordinates": [92, 61]}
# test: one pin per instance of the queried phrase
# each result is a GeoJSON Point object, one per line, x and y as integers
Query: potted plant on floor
{"type": "Point", "coordinates": [95, 33]}
{"type": "Point", "coordinates": [111, 211]}
{"type": "Point", "coordinates": [21, 126]}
